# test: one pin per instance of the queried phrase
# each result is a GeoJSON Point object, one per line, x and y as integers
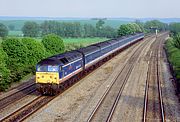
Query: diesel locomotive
{"type": "Point", "coordinates": [56, 71]}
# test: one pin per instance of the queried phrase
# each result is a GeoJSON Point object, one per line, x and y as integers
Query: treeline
{"type": "Point", "coordinates": [76, 29]}
{"type": "Point", "coordinates": [64, 29]}
{"type": "Point", "coordinates": [19, 56]}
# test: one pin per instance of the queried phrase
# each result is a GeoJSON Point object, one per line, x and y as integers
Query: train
{"type": "Point", "coordinates": [56, 72]}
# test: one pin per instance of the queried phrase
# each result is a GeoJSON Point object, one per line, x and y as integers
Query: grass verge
{"type": "Point", "coordinates": [174, 57]}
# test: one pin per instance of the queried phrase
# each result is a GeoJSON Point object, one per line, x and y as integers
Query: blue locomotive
{"type": "Point", "coordinates": [53, 73]}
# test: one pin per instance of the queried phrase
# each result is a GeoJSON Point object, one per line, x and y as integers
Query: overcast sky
{"type": "Point", "coordinates": [91, 8]}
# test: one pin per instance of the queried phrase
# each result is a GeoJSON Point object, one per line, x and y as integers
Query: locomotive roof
{"type": "Point", "coordinates": [63, 58]}
{"type": "Point", "coordinates": [50, 61]}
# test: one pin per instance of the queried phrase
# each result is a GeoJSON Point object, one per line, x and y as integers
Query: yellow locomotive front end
{"type": "Point", "coordinates": [47, 78]}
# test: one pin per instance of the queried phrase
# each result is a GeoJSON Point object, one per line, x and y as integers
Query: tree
{"type": "Point", "coordinates": [132, 28]}
{"type": "Point", "coordinates": [53, 44]}
{"type": "Point", "coordinates": [30, 29]}
{"type": "Point", "coordinates": [89, 30]}
{"type": "Point", "coordinates": [127, 29]}
{"type": "Point", "coordinates": [137, 28]}
{"type": "Point", "coordinates": [99, 26]}
{"type": "Point", "coordinates": [4, 72]}
{"type": "Point", "coordinates": [108, 32]}
{"type": "Point", "coordinates": [3, 30]}
{"type": "Point", "coordinates": [17, 57]}
{"type": "Point", "coordinates": [140, 24]}
{"type": "Point", "coordinates": [36, 52]}
{"type": "Point", "coordinates": [124, 30]}
{"type": "Point", "coordinates": [77, 29]}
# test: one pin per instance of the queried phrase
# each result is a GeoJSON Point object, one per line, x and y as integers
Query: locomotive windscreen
{"type": "Point", "coordinates": [47, 68]}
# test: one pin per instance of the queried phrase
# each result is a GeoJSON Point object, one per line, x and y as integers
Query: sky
{"type": "Point", "coordinates": [91, 8]}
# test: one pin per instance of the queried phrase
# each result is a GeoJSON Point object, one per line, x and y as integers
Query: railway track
{"type": "Point", "coordinates": [18, 94]}
{"type": "Point", "coordinates": [28, 109]}
{"type": "Point", "coordinates": [153, 101]}
{"type": "Point", "coordinates": [107, 104]}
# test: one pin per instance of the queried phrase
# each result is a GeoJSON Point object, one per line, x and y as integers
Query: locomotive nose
{"type": "Point", "coordinates": [47, 77]}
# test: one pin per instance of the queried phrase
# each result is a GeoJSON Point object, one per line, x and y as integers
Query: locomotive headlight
{"type": "Point", "coordinates": [48, 81]}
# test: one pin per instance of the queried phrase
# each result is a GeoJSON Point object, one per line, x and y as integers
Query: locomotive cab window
{"type": "Point", "coordinates": [47, 68]}
{"type": "Point", "coordinates": [53, 68]}
{"type": "Point", "coordinates": [42, 68]}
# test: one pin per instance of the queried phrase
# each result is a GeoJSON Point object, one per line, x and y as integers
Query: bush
{"type": "Point", "coordinates": [17, 57]}
{"type": "Point", "coordinates": [4, 72]}
{"type": "Point", "coordinates": [53, 44]}
{"type": "Point", "coordinates": [36, 52]}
